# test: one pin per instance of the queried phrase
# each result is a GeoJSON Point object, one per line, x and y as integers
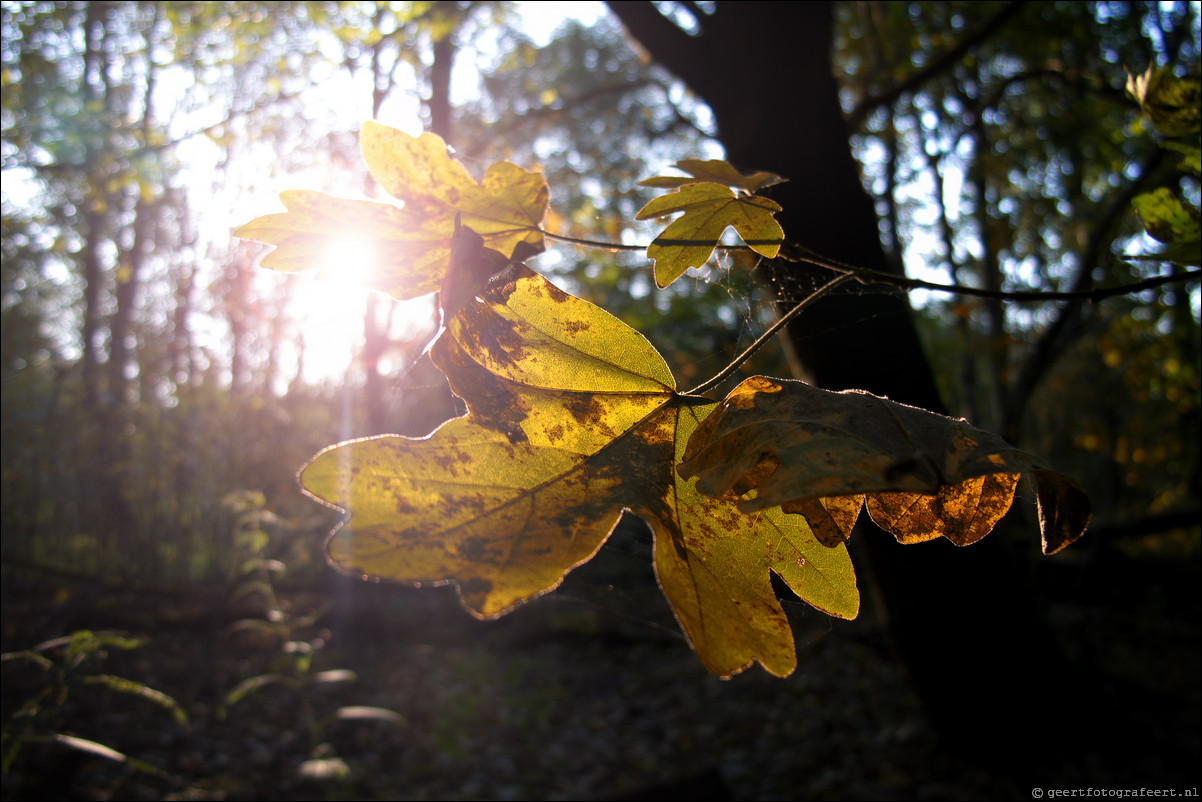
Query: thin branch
{"type": "Point", "coordinates": [945, 61]}
{"type": "Point", "coordinates": [589, 243]}
{"type": "Point", "coordinates": [791, 252]}
{"type": "Point", "coordinates": [762, 340]}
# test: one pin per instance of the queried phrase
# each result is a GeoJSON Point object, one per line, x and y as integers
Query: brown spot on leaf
{"type": "Point", "coordinates": [575, 326]}
{"type": "Point", "coordinates": [473, 549]}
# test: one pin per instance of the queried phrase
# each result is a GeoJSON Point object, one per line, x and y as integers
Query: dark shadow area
{"type": "Point", "coordinates": [588, 692]}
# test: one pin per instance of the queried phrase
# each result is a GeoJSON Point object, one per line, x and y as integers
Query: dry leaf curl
{"type": "Point", "coordinates": [824, 455]}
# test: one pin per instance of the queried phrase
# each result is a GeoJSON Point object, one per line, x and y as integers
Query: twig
{"type": "Point", "coordinates": [769, 334]}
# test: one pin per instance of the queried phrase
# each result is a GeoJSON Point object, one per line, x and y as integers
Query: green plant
{"type": "Point", "coordinates": [1170, 106]}
{"type": "Point", "coordinates": [66, 665]}
{"type": "Point", "coordinates": [282, 627]}
{"type": "Point", "coordinates": [573, 417]}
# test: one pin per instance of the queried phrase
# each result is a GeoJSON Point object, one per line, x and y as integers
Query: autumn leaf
{"type": "Point", "coordinates": [824, 455]}
{"type": "Point", "coordinates": [1172, 103]}
{"type": "Point", "coordinates": [409, 254]}
{"type": "Point", "coordinates": [1166, 218]}
{"type": "Point", "coordinates": [714, 171]}
{"type": "Point", "coordinates": [411, 245]}
{"type": "Point", "coordinates": [709, 209]}
{"type": "Point", "coordinates": [572, 418]}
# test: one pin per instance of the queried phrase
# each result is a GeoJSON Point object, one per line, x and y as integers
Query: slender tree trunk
{"type": "Point", "coordinates": [995, 357]}
{"type": "Point", "coordinates": [95, 65]}
{"type": "Point", "coordinates": [129, 273]}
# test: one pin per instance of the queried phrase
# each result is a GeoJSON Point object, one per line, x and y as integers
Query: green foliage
{"type": "Point", "coordinates": [283, 631]}
{"type": "Point", "coordinates": [66, 665]}
{"type": "Point", "coordinates": [996, 142]}
{"type": "Point", "coordinates": [1171, 105]}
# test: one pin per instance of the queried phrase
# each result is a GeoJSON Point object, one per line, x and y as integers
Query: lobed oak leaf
{"type": "Point", "coordinates": [573, 418]}
{"type": "Point", "coordinates": [412, 244]}
{"type": "Point", "coordinates": [709, 209]}
{"type": "Point", "coordinates": [824, 454]}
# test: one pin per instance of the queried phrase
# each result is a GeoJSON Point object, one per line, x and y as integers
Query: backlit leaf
{"type": "Point", "coordinates": [920, 475]}
{"type": "Point", "coordinates": [410, 246]}
{"type": "Point", "coordinates": [714, 171]}
{"type": "Point", "coordinates": [572, 418]}
{"type": "Point", "coordinates": [505, 209]}
{"type": "Point", "coordinates": [410, 255]}
{"type": "Point", "coordinates": [1172, 103]}
{"type": "Point", "coordinates": [708, 210]}
{"type": "Point", "coordinates": [1166, 217]}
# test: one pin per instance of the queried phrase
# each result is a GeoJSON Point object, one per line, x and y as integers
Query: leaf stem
{"type": "Point", "coordinates": [760, 341]}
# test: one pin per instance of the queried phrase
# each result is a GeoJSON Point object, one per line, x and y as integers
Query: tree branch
{"type": "Point", "coordinates": [1060, 333]}
{"type": "Point", "coordinates": [791, 252]}
{"type": "Point", "coordinates": [944, 62]}
{"type": "Point", "coordinates": [682, 54]}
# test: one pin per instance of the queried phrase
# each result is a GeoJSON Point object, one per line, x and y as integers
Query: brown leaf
{"type": "Point", "coordinates": [831, 519]}
{"type": "Point", "coordinates": [922, 475]}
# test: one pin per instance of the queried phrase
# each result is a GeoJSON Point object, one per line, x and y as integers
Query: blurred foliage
{"type": "Point", "coordinates": [1171, 105]}
{"type": "Point", "coordinates": [1005, 153]}
{"type": "Point", "coordinates": [65, 666]}
{"type": "Point", "coordinates": [291, 641]}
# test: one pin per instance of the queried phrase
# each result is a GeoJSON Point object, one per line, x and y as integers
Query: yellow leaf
{"type": "Point", "coordinates": [919, 474]}
{"type": "Point", "coordinates": [414, 242]}
{"type": "Point", "coordinates": [714, 171]}
{"type": "Point", "coordinates": [507, 208]}
{"type": "Point", "coordinates": [831, 519]}
{"type": "Point", "coordinates": [572, 418]}
{"type": "Point", "coordinates": [963, 513]}
{"type": "Point", "coordinates": [708, 210]}
{"type": "Point", "coordinates": [411, 254]}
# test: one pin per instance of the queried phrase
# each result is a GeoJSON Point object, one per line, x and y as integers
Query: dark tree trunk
{"type": "Point", "coordinates": [981, 659]}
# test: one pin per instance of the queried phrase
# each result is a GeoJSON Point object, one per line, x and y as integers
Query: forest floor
{"type": "Point", "coordinates": [587, 693]}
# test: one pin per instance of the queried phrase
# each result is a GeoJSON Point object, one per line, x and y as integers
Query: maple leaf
{"type": "Point", "coordinates": [825, 455]}
{"type": "Point", "coordinates": [709, 209]}
{"type": "Point", "coordinates": [573, 417]}
{"type": "Point", "coordinates": [714, 171]}
{"type": "Point", "coordinates": [413, 244]}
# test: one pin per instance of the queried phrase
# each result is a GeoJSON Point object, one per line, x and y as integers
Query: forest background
{"type": "Point", "coordinates": [160, 391]}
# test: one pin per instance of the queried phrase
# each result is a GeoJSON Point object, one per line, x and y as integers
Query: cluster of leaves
{"type": "Point", "coordinates": [573, 417]}
{"type": "Point", "coordinates": [1171, 105]}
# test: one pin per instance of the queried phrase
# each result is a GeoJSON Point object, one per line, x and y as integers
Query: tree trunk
{"type": "Point", "coordinates": [95, 64]}
{"type": "Point", "coordinates": [979, 657]}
